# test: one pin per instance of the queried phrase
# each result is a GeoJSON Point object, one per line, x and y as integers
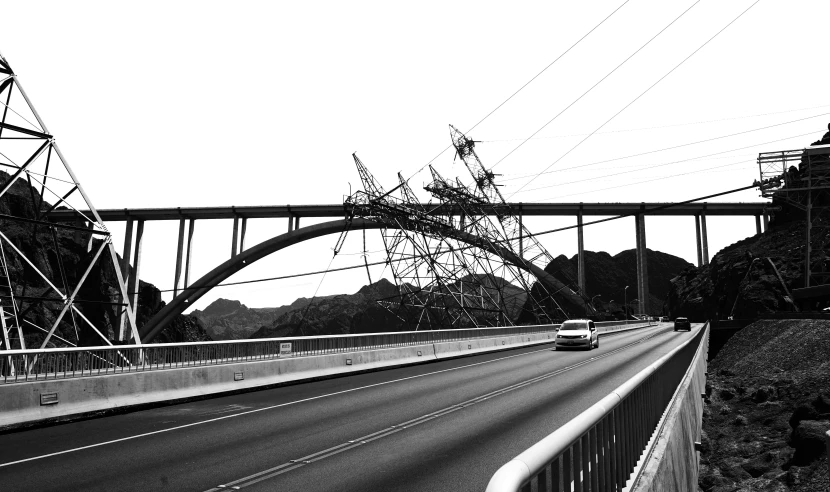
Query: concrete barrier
{"type": "Point", "coordinates": [29, 403]}
{"type": "Point", "coordinates": [672, 463]}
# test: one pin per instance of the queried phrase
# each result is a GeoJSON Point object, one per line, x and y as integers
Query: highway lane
{"type": "Point", "coordinates": [230, 438]}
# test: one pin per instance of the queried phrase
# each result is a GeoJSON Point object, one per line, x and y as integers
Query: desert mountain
{"type": "Point", "coordinates": [607, 276]}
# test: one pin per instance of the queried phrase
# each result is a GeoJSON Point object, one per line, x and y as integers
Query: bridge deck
{"type": "Point", "coordinates": [338, 210]}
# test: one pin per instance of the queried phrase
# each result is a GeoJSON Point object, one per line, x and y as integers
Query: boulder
{"type": "Point", "coordinates": [808, 439]}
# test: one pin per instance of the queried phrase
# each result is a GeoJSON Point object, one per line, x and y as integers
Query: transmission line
{"type": "Point", "coordinates": [658, 127]}
{"type": "Point", "coordinates": [638, 97]}
{"type": "Point", "coordinates": [594, 86]}
{"type": "Point", "coordinates": [668, 148]}
{"type": "Point", "coordinates": [654, 166]}
{"type": "Point", "coordinates": [525, 85]}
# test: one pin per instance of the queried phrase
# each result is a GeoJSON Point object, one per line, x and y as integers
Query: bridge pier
{"type": "Point", "coordinates": [766, 221]}
{"type": "Point", "coordinates": [131, 280]}
{"type": "Point", "coordinates": [705, 238]}
{"type": "Point", "coordinates": [185, 247]}
{"type": "Point", "coordinates": [179, 251]}
{"type": "Point", "coordinates": [580, 253]}
{"type": "Point", "coordinates": [699, 247]}
{"type": "Point", "coordinates": [757, 224]}
{"type": "Point", "coordinates": [642, 262]}
{"type": "Point", "coordinates": [125, 274]}
{"type": "Point", "coordinates": [189, 248]}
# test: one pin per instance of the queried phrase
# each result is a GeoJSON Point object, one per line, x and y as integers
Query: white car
{"type": "Point", "coordinates": [577, 333]}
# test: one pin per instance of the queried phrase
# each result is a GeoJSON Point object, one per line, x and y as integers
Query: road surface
{"type": "Point", "coordinates": [445, 425]}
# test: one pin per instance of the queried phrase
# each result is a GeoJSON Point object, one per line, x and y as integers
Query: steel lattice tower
{"type": "Point", "coordinates": [47, 267]}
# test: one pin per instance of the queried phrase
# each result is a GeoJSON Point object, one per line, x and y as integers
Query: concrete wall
{"type": "Point", "coordinates": [20, 403]}
{"type": "Point", "coordinates": [673, 463]}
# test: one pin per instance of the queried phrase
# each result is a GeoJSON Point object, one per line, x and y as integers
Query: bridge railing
{"type": "Point", "coordinates": [600, 448]}
{"type": "Point", "coordinates": [61, 363]}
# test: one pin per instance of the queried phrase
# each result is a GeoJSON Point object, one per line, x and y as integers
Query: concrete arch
{"type": "Point", "coordinates": [200, 287]}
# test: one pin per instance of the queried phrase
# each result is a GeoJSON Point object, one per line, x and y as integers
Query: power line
{"type": "Point", "coordinates": [638, 97]}
{"type": "Point", "coordinates": [660, 127]}
{"type": "Point", "coordinates": [646, 168]}
{"type": "Point", "coordinates": [669, 148]}
{"type": "Point", "coordinates": [594, 86]}
{"type": "Point", "coordinates": [647, 210]}
{"type": "Point", "coordinates": [525, 85]}
{"type": "Point", "coordinates": [658, 179]}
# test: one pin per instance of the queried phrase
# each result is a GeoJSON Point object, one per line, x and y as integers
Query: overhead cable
{"type": "Point", "coordinates": [668, 148]}
{"type": "Point", "coordinates": [593, 86]}
{"type": "Point", "coordinates": [525, 85]}
{"type": "Point", "coordinates": [654, 166]}
{"type": "Point", "coordinates": [638, 97]}
{"type": "Point", "coordinates": [660, 127]}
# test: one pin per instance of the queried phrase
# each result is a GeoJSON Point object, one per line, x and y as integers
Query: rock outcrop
{"type": "Point", "coordinates": [607, 276]}
{"type": "Point", "coordinates": [226, 319]}
{"type": "Point", "coordinates": [767, 409]}
{"type": "Point", "coordinates": [756, 276]}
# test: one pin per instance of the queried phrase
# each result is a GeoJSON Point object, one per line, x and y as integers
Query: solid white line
{"type": "Point", "coordinates": [260, 410]}
{"type": "Point", "coordinates": [193, 424]}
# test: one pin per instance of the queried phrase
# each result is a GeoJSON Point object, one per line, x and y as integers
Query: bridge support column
{"type": "Point", "coordinates": [238, 245]}
{"type": "Point", "coordinates": [189, 249]}
{"type": "Point", "coordinates": [580, 252]}
{"type": "Point", "coordinates": [699, 246]}
{"type": "Point", "coordinates": [132, 285]}
{"type": "Point", "coordinates": [766, 222]}
{"type": "Point", "coordinates": [757, 224]}
{"type": "Point", "coordinates": [705, 238]}
{"type": "Point", "coordinates": [125, 274]}
{"type": "Point", "coordinates": [290, 223]}
{"type": "Point", "coordinates": [296, 222]}
{"type": "Point", "coordinates": [242, 233]}
{"type": "Point", "coordinates": [642, 263]}
{"type": "Point", "coordinates": [235, 239]}
{"type": "Point", "coordinates": [179, 251]}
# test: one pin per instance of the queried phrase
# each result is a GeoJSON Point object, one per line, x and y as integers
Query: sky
{"type": "Point", "coordinates": [189, 104]}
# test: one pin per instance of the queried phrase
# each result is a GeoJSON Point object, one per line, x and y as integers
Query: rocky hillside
{"type": "Point", "coordinates": [755, 276]}
{"type": "Point", "coordinates": [607, 276]}
{"type": "Point", "coordinates": [98, 291]}
{"type": "Point", "coordinates": [338, 314]}
{"type": "Point", "coordinates": [767, 409]}
{"type": "Point", "coordinates": [226, 319]}
{"type": "Point", "coordinates": [361, 313]}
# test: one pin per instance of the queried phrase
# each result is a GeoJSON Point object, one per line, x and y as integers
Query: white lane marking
{"type": "Point", "coordinates": [259, 410]}
{"type": "Point", "coordinates": [354, 443]}
{"type": "Point", "coordinates": [193, 424]}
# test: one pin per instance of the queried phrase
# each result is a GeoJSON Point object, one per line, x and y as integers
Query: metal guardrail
{"type": "Point", "coordinates": [62, 363]}
{"type": "Point", "coordinates": [599, 449]}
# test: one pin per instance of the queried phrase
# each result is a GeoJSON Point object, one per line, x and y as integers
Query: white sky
{"type": "Point", "coordinates": [159, 104]}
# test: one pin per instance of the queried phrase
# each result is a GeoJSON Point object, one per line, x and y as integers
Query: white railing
{"type": "Point", "coordinates": [599, 449]}
{"type": "Point", "coordinates": [62, 363]}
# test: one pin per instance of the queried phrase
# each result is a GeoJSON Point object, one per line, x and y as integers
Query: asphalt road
{"type": "Point", "coordinates": [446, 425]}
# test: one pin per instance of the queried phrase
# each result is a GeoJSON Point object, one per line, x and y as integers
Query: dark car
{"type": "Point", "coordinates": [682, 324]}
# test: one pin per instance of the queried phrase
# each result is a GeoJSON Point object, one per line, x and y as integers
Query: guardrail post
{"type": "Point", "coordinates": [566, 469]}
{"type": "Point", "coordinates": [827, 442]}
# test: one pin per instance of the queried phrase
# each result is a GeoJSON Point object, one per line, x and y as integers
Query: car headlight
{"type": "Point", "coordinates": [583, 336]}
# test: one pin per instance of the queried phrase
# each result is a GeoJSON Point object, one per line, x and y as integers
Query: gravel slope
{"type": "Point", "coordinates": [768, 405]}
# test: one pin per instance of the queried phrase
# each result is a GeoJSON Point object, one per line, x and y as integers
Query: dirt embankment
{"type": "Point", "coordinates": [768, 407]}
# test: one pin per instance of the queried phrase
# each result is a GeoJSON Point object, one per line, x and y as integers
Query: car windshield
{"type": "Point", "coordinates": [573, 326]}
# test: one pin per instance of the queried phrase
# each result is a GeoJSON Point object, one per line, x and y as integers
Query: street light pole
{"type": "Point", "coordinates": [592, 300]}
{"type": "Point", "coordinates": [625, 304]}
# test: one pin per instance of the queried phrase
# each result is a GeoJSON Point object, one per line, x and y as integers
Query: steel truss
{"type": "Point", "coordinates": [47, 298]}
{"type": "Point", "coordinates": [801, 178]}
{"type": "Point", "coordinates": [444, 282]}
